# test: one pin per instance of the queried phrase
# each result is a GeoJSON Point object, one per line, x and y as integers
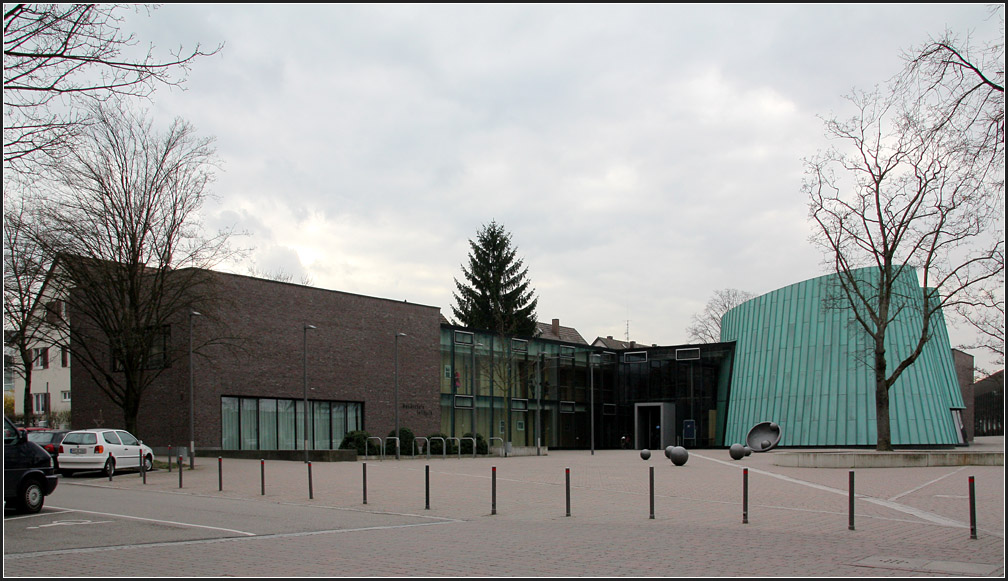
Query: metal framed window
{"type": "Point", "coordinates": [463, 402]}
{"type": "Point", "coordinates": [519, 404]}
{"type": "Point", "coordinates": [635, 357]}
{"type": "Point", "coordinates": [566, 407]}
{"type": "Point", "coordinates": [464, 337]}
{"type": "Point", "coordinates": [688, 354]}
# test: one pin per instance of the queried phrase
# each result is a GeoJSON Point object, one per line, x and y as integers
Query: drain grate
{"type": "Point", "coordinates": [930, 566]}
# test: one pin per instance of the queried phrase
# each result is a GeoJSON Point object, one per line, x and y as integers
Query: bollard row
{"type": "Point", "coordinates": [567, 478]}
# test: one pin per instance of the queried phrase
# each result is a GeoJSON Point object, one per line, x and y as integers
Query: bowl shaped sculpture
{"type": "Point", "coordinates": [763, 437]}
{"type": "Point", "coordinates": [678, 455]}
{"type": "Point", "coordinates": [645, 454]}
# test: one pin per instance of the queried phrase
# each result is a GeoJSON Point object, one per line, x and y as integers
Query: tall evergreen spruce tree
{"type": "Point", "coordinates": [496, 294]}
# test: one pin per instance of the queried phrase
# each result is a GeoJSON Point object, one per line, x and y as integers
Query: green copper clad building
{"type": "Point", "coordinates": [807, 368]}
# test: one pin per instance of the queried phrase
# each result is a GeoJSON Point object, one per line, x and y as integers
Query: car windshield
{"type": "Point", "coordinates": [40, 437]}
{"type": "Point", "coordinates": [80, 438]}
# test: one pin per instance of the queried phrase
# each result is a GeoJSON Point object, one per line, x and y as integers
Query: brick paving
{"type": "Point", "coordinates": [908, 521]}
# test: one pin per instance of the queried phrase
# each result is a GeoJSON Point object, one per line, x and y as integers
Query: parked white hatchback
{"type": "Point", "coordinates": [103, 449]}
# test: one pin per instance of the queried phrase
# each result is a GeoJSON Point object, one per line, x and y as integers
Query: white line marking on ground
{"type": "Point", "coordinates": [157, 521]}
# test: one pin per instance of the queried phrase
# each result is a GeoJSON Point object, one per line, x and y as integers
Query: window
{"type": "Point", "coordinates": [40, 358]}
{"type": "Point", "coordinates": [566, 407]}
{"type": "Point", "coordinates": [55, 312]}
{"type": "Point", "coordinates": [635, 357]}
{"type": "Point", "coordinates": [65, 395]}
{"type": "Point", "coordinates": [111, 438]}
{"type": "Point", "coordinates": [519, 404]}
{"type": "Point", "coordinates": [463, 338]}
{"type": "Point", "coordinates": [519, 345]}
{"type": "Point", "coordinates": [41, 404]}
{"type": "Point", "coordinates": [464, 401]}
{"type": "Point", "coordinates": [64, 357]}
{"type": "Point", "coordinates": [687, 354]}
{"type": "Point", "coordinates": [249, 423]}
{"type": "Point", "coordinates": [127, 438]}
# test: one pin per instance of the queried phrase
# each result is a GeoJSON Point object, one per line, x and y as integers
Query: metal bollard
{"type": "Point", "coordinates": [652, 491]}
{"type": "Point", "coordinates": [169, 458]}
{"type": "Point", "coordinates": [220, 473]}
{"type": "Point", "coordinates": [262, 475]}
{"type": "Point", "coordinates": [568, 491]}
{"type": "Point", "coordinates": [310, 495]}
{"type": "Point", "coordinates": [427, 485]}
{"type": "Point", "coordinates": [745, 496]}
{"type": "Point", "coordinates": [972, 500]}
{"type": "Point", "coordinates": [493, 501]}
{"type": "Point", "coordinates": [180, 471]}
{"type": "Point", "coordinates": [850, 521]}
{"type": "Point", "coordinates": [365, 482]}
{"type": "Point", "coordinates": [113, 467]}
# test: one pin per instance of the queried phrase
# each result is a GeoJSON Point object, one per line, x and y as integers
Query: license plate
{"type": "Point", "coordinates": [78, 450]}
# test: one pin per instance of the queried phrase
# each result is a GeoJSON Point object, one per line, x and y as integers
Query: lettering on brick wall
{"type": "Point", "coordinates": [420, 409]}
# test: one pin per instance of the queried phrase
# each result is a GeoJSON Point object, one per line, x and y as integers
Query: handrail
{"type": "Point", "coordinates": [381, 446]}
{"type": "Point", "coordinates": [474, 447]}
{"type": "Point", "coordinates": [444, 446]}
{"type": "Point", "coordinates": [503, 448]}
{"type": "Point", "coordinates": [426, 445]}
{"type": "Point", "coordinates": [458, 443]}
{"type": "Point", "coordinates": [396, 445]}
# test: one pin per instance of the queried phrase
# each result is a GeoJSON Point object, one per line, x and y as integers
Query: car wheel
{"type": "Point", "coordinates": [32, 497]}
{"type": "Point", "coordinates": [148, 463]}
{"type": "Point", "coordinates": [109, 467]}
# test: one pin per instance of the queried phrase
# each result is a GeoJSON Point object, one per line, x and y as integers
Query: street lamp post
{"type": "Point", "coordinates": [395, 402]}
{"type": "Point", "coordinates": [304, 369]}
{"type": "Point", "coordinates": [192, 428]}
{"type": "Point", "coordinates": [592, 399]}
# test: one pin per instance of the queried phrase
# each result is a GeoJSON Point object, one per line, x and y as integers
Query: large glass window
{"type": "Point", "coordinates": [249, 423]}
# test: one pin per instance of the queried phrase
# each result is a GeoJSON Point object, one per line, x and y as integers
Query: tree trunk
{"type": "Point", "coordinates": [883, 436]}
{"type": "Point", "coordinates": [26, 360]}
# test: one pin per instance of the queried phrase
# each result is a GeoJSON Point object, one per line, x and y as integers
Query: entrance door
{"type": "Point", "coordinates": [648, 427]}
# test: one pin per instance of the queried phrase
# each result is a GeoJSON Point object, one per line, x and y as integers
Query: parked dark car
{"type": "Point", "coordinates": [50, 441]}
{"type": "Point", "coordinates": [29, 475]}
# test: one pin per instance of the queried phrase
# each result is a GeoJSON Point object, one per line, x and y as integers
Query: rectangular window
{"type": "Point", "coordinates": [635, 357]}
{"type": "Point", "coordinates": [229, 423]}
{"type": "Point", "coordinates": [519, 405]}
{"type": "Point", "coordinates": [65, 395]}
{"type": "Point", "coordinates": [249, 424]}
{"type": "Point", "coordinates": [40, 358]}
{"type": "Point", "coordinates": [286, 425]}
{"type": "Point", "coordinates": [689, 354]}
{"type": "Point", "coordinates": [267, 424]}
{"type": "Point", "coordinates": [64, 357]}
{"type": "Point", "coordinates": [41, 403]}
{"type": "Point", "coordinates": [566, 351]}
{"type": "Point", "coordinates": [463, 401]}
{"type": "Point", "coordinates": [608, 409]}
{"type": "Point", "coordinates": [338, 424]}
{"type": "Point", "coordinates": [463, 338]}
{"type": "Point", "coordinates": [519, 345]}
{"type": "Point", "coordinates": [320, 423]}
{"type": "Point", "coordinates": [566, 407]}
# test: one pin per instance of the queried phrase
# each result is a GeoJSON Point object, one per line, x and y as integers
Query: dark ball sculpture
{"type": "Point", "coordinates": [747, 449]}
{"type": "Point", "coordinates": [737, 451]}
{"type": "Point", "coordinates": [668, 452]}
{"type": "Point", "coordinates": [678, 455]}
{"type": "Point", "coordinates": [645, 454]}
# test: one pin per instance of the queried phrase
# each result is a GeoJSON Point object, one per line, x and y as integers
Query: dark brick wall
{"type": "Point", "coordinates": [250, 341]}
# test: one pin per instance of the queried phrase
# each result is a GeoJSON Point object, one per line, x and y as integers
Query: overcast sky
{"type": "Point", "coordinates": [642, 157]}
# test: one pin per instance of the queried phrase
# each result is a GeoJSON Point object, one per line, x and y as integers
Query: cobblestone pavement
{"type": "Point", "coordinates": [507, 517]}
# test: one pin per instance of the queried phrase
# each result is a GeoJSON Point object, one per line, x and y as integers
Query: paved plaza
{"type": "Point", "coordinates": [506, 517]}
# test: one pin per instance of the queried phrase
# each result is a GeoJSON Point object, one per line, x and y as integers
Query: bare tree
{"type": "Point", "coordinates": [26, 268]}
{"type": "Point", "coordinates": [59, 59]}
{"type": "Point", "coordinates": [960, 83]}
{"type": "Point", "coordinates": [131, 254]}
{"type": "Point", "coordinates": [902, 198]}
{"type": "Point", "coordinates": [706, 325]}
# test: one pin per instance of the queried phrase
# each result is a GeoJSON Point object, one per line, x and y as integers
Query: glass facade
{"type": "Point", "coordinates": [254, 423]}
{"type": "Point", "coordinates": [557, 394]}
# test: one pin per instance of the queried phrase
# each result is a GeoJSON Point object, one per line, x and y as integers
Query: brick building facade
{"type": "Point", "coordinates": [250, 342]}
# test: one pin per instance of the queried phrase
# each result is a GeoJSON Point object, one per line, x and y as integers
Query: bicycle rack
{"type": "Point", "coordinates": [381, 446]}
{"type": "Point", "coordinates": [390, 438]}
{"type": "Point", "coordinates": [474, 447]}
{"type": "Point", "coordinates": [458, 443]}
{"type": "Point", "coordinates": [426, 445]}
{"type": "Point", "coordinates": [503, 449]}
{"type": "Point", "coordinates": [444, 447]}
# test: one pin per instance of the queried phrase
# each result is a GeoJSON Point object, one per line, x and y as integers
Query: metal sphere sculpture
{"type": "Point", "coordinates": [645, 454]}
{"type": "Point", "coordinates": [736, 451]}
{"type": "Point", "coordinates": [678, 455]}
{"type": "Point", "coordinates": [668, 452]}
{"type": "Point", "coordinates": [747, 449]}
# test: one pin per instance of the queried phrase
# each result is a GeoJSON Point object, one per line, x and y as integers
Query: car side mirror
{"type": "Point", "coordinates": [22, 435]}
